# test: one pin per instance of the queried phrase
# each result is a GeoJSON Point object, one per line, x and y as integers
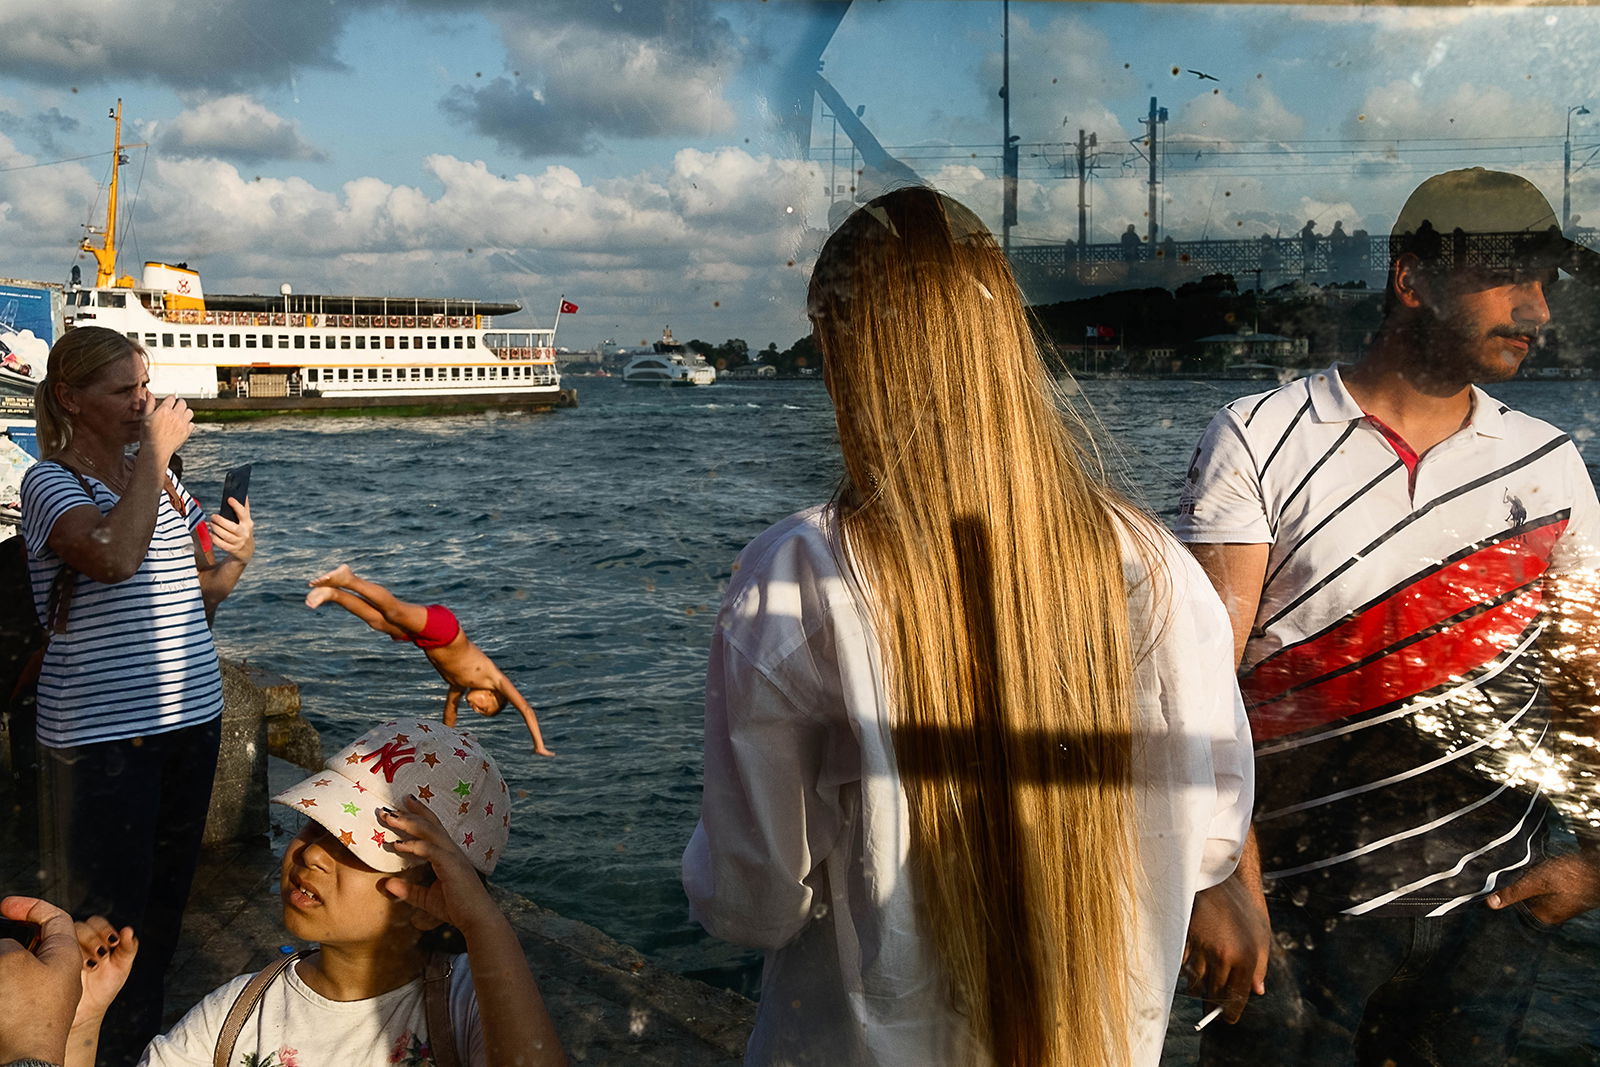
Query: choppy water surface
{"type": "Point", "coordinates": [586, 552]}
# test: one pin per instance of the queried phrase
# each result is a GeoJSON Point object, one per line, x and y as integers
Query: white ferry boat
{"type": "Point", "coordinates": [671, 363]}
{"type": "Point", "coordinates": [231, 355]}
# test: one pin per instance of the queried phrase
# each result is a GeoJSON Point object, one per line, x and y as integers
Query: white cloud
{"type": "Point", "coordinates": [218, 43]}
{"type": "Point", "coordinates": [709, 240]}
{"type": "Point", "coordinates": [233, 127]}
{"type": "Point", "coordinates": [581, 82]}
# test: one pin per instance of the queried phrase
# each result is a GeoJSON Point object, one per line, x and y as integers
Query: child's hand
{"type": "Point", "coordinates": [457, 896]}
{"type": "Point", "coordinates": [107, 958]}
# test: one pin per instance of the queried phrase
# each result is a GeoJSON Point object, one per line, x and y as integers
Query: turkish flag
{"type": "Point", "coordinates": [568, 308]}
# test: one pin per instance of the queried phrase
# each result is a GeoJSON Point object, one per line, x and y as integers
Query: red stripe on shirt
{"type": "Point", "coordinates": [1279, 704]}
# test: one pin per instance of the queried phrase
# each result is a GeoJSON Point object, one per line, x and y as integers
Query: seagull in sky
{"type": "Point", "coordinates": [1203, 76]}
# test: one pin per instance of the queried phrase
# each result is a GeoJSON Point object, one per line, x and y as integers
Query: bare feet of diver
{"type": "Point", "coordinates": [318, 597]}
{"type": "Point", "coordinates": [338, 576]}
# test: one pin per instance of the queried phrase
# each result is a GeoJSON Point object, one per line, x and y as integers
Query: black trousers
{"type": "Point", "coordinates": [121, 825]}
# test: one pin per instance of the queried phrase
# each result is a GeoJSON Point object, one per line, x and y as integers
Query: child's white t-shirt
{"type": "Point", "coordinates": [295, 1027]}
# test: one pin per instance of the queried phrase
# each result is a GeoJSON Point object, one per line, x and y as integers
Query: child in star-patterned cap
{"type": "Point", "coordinates": [403, 823]}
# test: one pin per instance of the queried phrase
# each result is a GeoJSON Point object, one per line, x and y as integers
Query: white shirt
{"type": "Point", "coordinates": [294, 1026]}
{"type": "Point", "coordinates": [804, 831]}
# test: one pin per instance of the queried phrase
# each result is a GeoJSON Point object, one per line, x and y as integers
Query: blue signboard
{"type": "Point", "coordinates": [27, 328]}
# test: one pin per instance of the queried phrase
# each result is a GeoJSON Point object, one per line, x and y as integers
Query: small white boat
{"type": "Point", "coordinates": [670, 364]}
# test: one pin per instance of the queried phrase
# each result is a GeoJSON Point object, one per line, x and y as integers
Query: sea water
{"type": "Point", "coordinates": [586, 552]}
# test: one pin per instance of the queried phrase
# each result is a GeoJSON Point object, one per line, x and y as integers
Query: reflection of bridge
{"type": "Point", "coordinates": [1064, 272]}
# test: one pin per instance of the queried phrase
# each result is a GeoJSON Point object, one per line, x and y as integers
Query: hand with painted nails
{"type": "Point", "coordinates": [39, 988]}
{"type": "Point", "coordinates": [456, 895]}
{"type": "Point", "coordinates": [108, 955]}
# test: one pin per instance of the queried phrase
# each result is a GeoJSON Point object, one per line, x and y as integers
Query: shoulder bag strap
{"type": "Point", "coordinates": [176, 501]}
{"type": "Point", "coordinates": [436, 1002]}
{"type": "Point", "coordinates": [243, 1005]}
{"type": "Point", "coordinates": [59, 606]}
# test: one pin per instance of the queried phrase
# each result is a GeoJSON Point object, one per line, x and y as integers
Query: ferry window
{"type": "Point", "coordinates": [115, 300]}
{"type": "Point", "coordinates": [216, 340]}
{"type": "Point", "coordinates": [432, 342]}
{"type": "Point", "coordinates": [166, 340]}
{"type": "Point", "coordinates": [149, 340]}
{"type": "Point", "coordinates": [361, 340]}
{"type": "Point", "coordinates": [185, 341]}
{"type": "Point", "coordinates": [234, 340]}
{"type": "Point", "coordinates": [299, 340]}
{"type": "Point", "coordinates": [458, 342]}
{"type": "Point", "coordinates": [472, 342]}
{"type": "Point", "coordinates": [315, 341]}
{"type": "Point", "coordinates": [311, 374]}
{"type": "Point", "coordinates": [376, 343]}
{"type": "Point", "coordinates": [388, 341]}
{"type": "Point", "coordinates": [344, 341]}
{"type": "Point", "coordinates": [455, 372]}
{"type": "Point", "coordinates": [344, 372]}
{"type": "Point", "coordinates": [283, 340]}
{"type": "Point", "coordinates": [416, 342]}
{"type": "Point", "coordinates": [427, 374]}
{"type": "Point", "coordinates": [250, 340]}
{"type": "Point", "coordinates": [387, 374]}
{"type": "Point", "coordinates": [202, 340]}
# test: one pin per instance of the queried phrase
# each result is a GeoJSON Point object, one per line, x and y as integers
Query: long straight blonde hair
{"type": "Point", "coordinates": [992, 557]}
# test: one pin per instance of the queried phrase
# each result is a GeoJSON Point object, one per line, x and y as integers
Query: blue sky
{"type": "Point", "coordinates": [626, 154]}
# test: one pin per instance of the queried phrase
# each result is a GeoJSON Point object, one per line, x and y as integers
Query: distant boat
{"type": "Point", "coordinates": [233, 355]}
{"type": "Point", "coordinates": [671, 363]}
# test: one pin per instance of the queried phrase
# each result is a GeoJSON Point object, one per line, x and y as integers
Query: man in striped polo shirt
{"type": "Point", "coordinates": [1392, 543]}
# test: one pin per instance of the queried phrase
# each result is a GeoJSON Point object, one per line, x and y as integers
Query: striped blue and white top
{"type": "Point", "coordinates": [136, 657]}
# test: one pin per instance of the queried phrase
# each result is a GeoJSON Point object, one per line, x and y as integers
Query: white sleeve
{"type": "Point", "coordinates": [1578, 548]}
{"type": "Point", "coordinates": [769, 814]}
{"type": "Point", "coordinates": [1199, 695]}
{"type": "Point", "coordinates": [49, 491]}
{"type": "Point", "coordinates": [1222, 500]}
{"type": "Point", "coordinates": [193, 1041]}
{"type": "Point", "coordinates": [464, 1017]}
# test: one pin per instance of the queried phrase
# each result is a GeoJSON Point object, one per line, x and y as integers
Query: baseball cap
{"type": "Point", "coordinates": [440, 765]}
{"type": "Point", "coordinates": [1486, 218]}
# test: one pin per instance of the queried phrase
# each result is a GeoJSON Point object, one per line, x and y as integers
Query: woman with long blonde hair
{"type": "Point", "coordinates": [972, 736]}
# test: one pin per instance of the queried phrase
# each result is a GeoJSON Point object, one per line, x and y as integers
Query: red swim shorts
{"type": "Point", "coordinates": [440, 629]}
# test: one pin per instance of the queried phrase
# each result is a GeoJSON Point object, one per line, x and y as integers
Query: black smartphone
{"type": "Point", "coordinates": [235, 486]}
{"type": "Point", "coordinates": [21, 931]}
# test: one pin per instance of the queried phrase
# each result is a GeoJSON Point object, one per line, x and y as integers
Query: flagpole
{"type": "Point", "coordinates": [559, 305]}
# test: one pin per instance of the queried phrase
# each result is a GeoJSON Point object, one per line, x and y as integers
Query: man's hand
{"type": "Point", "coordinates": [1225, 956]}
{"type": "Point", "coordinates": [1557, 889]}
{"type": "Point", "coordinates": [39, 990]}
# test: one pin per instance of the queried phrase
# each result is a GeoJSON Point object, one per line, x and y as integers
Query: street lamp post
{"type": "Point", "coordinates": [1566, 169]}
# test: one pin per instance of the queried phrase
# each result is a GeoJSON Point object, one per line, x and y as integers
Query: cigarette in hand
{"type": "Point", "coordinates": [1209, 1018]}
